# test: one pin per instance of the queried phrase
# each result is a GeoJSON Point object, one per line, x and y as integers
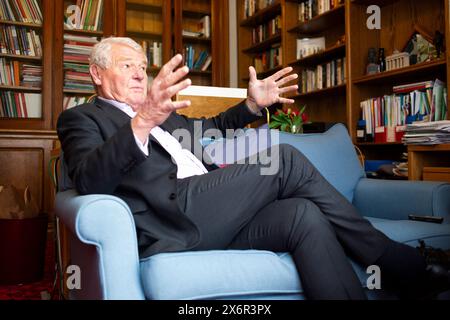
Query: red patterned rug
{"type": "Point", "coordinates": [37, 290]}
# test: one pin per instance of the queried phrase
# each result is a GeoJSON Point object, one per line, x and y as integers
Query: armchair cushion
{"type": "Point", "coordinates": [238, 274]}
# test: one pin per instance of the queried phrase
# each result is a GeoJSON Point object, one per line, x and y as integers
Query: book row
{"type": "Point", "coordinates": [267, 30]}
{"type": "Point", "coordinates": [20, 41]}
{"type": "Point", "coordinates": [27, 11]}
{"type": "Point", "coordinates": [14, 73]}
{"type": "Point", "coordinates": [20, 105]}
{"type": "Point", "coordinates": [323, 76]}
{"type": "Point", "coordinates": [253, 6]}
{"type": "Point", "coordinates": [268, 60]}
{"type": "Point", "coordinates": [310, 8]}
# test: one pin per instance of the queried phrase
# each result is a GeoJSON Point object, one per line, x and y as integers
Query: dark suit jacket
{"type": "Point", "coordinates": [101, 155]}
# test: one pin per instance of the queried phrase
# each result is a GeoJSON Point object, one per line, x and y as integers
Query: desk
{"type": "Point", "coordinates": [420, 156]}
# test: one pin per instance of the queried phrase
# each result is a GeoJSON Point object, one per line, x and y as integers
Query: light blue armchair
{"type": "Point", "coordinates": [103, 242]}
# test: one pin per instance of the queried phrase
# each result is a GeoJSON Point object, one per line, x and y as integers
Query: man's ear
{"type": "Point", "coordinates": [95, 73]}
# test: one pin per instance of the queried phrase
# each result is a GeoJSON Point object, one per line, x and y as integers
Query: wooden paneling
{"type": "Point", "coordinates": [24, 158]}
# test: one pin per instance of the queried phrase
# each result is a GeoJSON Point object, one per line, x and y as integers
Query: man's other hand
{"type": "Point", "coordinates": [266, 92]}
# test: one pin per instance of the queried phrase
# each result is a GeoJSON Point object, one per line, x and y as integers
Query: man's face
{"type": "Point", "coordinates": [125, 80]}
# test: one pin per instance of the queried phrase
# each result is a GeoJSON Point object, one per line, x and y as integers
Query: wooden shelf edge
{"type": "Point", "coordinates": [399, 72]}
{"type": "Point", "coordinates": [262, 45]}
{"type": "Point", "coordinates": [20, 88]}
{"type": "Point", "coordinates": [136, 6]}
{"type": "Point", "coordinates": [196, 39]}
{"type": "Point", "coordinates": [142, 33]}
{"type": "Point", "coordinates": [84, 32]}
{"type": "Point", "coordinates": [21, 57]}
{"type": "Point", "coordinates": [321, 55]}
{"type": "Point", "coordinates": [321, 91]}
{"type": "Point", "coordinates": [200, 73]}
{"type": "Point", "coordinates": [21, 24]}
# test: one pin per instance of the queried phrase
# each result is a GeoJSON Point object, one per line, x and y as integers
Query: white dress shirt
{"type": "Point", "coordinates": [188, 165]}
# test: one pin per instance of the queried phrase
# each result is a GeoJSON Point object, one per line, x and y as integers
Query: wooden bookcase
{"type": "Point", "coordinates": [346, 35]}
{"type": "Point", "coordinates": [44, 30]}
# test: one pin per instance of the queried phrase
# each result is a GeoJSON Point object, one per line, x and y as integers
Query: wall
{"type": "Point", "coordinates": [233, 44]}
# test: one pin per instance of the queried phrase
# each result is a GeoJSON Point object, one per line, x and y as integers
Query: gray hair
{"type": "Point", "coordinates": [101, 52]}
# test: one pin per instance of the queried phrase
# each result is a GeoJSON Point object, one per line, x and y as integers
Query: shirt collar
{"type": "Point", "coordinates": [121, 106]}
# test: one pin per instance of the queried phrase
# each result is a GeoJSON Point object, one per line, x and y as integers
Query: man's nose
{"type": "Point", "coordinates": [139, 74]}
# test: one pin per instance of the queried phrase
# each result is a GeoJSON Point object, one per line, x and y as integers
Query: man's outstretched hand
{"type": "Point", "coordinates": [159, 105]}
{"type": "Point", "coordinates": [266, 92]}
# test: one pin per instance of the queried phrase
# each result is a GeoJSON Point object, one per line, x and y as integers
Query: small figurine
{"type": "Point", "coordinates": [372, 66]}
{"type": "Point", "coordinates": [438, 42]}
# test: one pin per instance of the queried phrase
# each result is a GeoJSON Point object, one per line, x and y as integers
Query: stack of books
{"type": "Point", "coordinates": [427, 133]}
{"type": "Point", "coordinates": [77, 77]}
{"type": "Point", "coordinates": [31, 75]}
{"type": "Point", "coordinates": [77, 50]}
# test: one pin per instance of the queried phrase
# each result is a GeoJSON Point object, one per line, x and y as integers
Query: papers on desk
{"type": "Point", "coordinates": [436, 132]}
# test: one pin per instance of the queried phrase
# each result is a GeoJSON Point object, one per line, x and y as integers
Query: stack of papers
{"type": "Point", "coordinates": [437, 132]}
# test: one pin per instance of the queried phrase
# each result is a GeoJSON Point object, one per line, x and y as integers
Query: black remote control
{"type": "Point", "coordinates": [426, 218]}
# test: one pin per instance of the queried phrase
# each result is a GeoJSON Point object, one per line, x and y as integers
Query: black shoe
{"type": "Point", "coordinates": [435, 256]}
{"type": "Point", "coordinates": [437, 278]}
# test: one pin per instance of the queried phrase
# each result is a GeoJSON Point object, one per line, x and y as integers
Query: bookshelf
{"type": "Point", "coordinates": [399, 20]}
{"type": "Point", "coordinates": [164, 22]}
{"type": "Point", "coordinates": [343, 25]}
{"type": "Point", "coordinates": [25, 63]}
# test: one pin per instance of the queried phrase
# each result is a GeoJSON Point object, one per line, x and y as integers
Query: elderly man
{"type": "Point", "coordinates": [121, 144]}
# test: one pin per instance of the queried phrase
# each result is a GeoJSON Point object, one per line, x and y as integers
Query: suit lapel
{"type": "Point", "coordinates": [113, 113]}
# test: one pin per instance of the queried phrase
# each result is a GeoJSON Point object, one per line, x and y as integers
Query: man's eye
{"type": "Point", "coordinates": [126, 66]}
{"type": "Point", "coordinates": [143, 68]}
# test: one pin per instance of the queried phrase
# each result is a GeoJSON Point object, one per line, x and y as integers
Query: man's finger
{"type": "Point", "coordinates": [252, 74]}
{"type": "Point", "coordinates": [280, 73]}
{"type": "Point", "coordinates": [181, 104]}
{"type": "Point", "coordinates": [285, 100]}
{"type": "Point", "coordinates": [175, 77]}
{"type": "Point", "coordinates": [287, 79]}
{"type": "Point", "coordinates": [170, 66]}
{"type": "Point", "coordinates": [173, 90]}
{"type": "Point", "coordinates": [288, 89]}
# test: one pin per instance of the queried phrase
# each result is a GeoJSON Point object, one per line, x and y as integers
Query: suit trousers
{"type": "Point", "coordinates": [294, 210]}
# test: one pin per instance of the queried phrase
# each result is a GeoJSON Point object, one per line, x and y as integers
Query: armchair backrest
{"type": "Point", "coordinates": [333, 154]}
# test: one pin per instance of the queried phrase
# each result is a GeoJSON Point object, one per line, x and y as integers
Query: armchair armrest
{"type": "Point", "coordinates": [393, 199]}
{"type": "Point", "coordinates": [105, 245]}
